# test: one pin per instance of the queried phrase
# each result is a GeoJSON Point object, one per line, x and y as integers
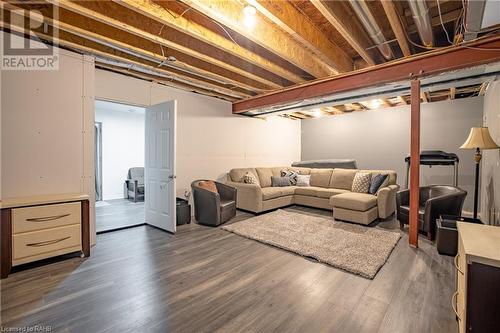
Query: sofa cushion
{"type": "Point", "coordinates": [250, 178]}
{"type": "Point", "coordinates": [308, 191]}
{"type": "Point", "coordinates": [392, 175]}
{"type": "Point", "coordinates": [264, 175]}
{"type": "Point", "coordinates": [342, 178]}
{"type": "Point", "coordinates": [328, 192]}
{"type": "Point", "coordinates": [300, 170]}
{"type": "Point", "coordinates": [276, 192]}
{"type": "Point", "coordinates": [280, 181]}
{"type": "Point", "coordinates": [377, 182]}
{"type": "Point", "coordinates": [321, 177]}
{"type": "Point", "coordinates": [290, 174]}
{"type": "Point", "coordinates": [361, 182]}
{"type": "Point", "coordinates": [236, 175]}
{"type": "Point", "coordinates": [304, 180]}
{"type": "Point", "coordinates": [354, 201]}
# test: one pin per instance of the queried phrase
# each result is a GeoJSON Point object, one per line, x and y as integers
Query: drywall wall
{"type": "Point", "coordinates": [490, 164]}
{"type": "Point", "coordinates": [47, 129]}
{"type": "Point", "coordinates": [210, 140]}
{"type": "Point", "coordinates": [380, 139]}
{"type": "Point", "coordinates": [122, 148]}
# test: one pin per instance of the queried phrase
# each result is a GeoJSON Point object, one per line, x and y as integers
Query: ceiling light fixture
{"type": "Point", "coordinates": [316, 113]}
{"type": "Point", "coordinates": [376, 103]}
{"type": "Point", "coordinates": [249, 16]}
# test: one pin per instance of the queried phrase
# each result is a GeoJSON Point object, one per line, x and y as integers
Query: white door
{"type": "Point", "coordinates": [159, 168]}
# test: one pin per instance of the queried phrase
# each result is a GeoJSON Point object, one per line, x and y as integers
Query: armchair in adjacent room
{"type": "Point", "coordinates": [134, 185]}
{"type": "Point", "coordinates": [434, 200]}
{"type": "Point", "coordinates": [214, 203]}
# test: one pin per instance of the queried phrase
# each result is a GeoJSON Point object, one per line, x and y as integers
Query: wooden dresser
{"type": "Point", "coordinates": [477, 299]}
{"type": "Point", "coordinates": [40, 227]}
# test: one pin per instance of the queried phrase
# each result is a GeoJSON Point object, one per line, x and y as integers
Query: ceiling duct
{"type": "Point", "coordinates": [371, 26]}
{"type": "Point", "coordinates": [420, 14]}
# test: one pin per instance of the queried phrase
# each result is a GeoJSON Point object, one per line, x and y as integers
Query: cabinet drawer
{"type": "Point", "coordinates": [47, 241]}
{"type": "Point", "coordinates": [44, 217]}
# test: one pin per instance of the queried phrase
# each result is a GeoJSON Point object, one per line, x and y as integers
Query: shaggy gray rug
{"type": "Point", "coordinates": [357, 249]}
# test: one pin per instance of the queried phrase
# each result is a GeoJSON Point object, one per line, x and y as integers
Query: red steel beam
{"type": "Point", "coordinates": [414, 162]}
{"type": "Point", "coordinates": [433, 62]}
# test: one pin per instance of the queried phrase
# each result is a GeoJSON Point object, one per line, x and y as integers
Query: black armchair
{"type": "Point", "coordinates": [434, 200]}
{"type": "Point", "coordinates": [211, 208]}
{"type": "Point", "coordinates": [134, 185]}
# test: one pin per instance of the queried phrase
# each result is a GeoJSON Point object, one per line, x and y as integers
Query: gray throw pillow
{"type": "Point", "coordinates": [377, 183]}
{"type": "Point", "coordinates": [280, 181]}
{"type": "Point", "coordinates": [303, 180]}
{"type": "Point", "coordinates": [290, 174]}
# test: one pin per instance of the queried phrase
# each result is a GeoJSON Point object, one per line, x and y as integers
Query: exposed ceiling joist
{"type": "Point", "coordinates": [88, 47]}
{"type": "Point", "coordinates": [287, 17]}
{"type": "Point", "coordinates": [158, 12]}
{"type": "Point", "coordinates": [344, 22]}
{"type": "Point", "coordinates": [230, 14]}
{"type": "Point", "coordinates": [397, 28]}
{"type": "Point", "coordinates": [80, 9]}
{"type": "Point", "coordinates": [430, 63]}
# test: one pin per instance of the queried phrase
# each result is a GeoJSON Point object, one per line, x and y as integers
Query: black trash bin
{"type": "Point", "coordinates": [183, 210]}
{"type": "Point", "coordinates": [447, 233]}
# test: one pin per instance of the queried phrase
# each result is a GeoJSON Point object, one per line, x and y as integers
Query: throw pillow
{"type": "Point", "coordinates": [377, 182]}
{"type": "Point", "coordinates": [290, 174]}
{"type": "Point", "coordinates": [280, 181]}
{"type": "Point", "coordinates": [361, 182]}
{"type": "Point", "coordinates": [208, 185]}
{"type": "Point", "coordinates": [303, 180]}
{"type": "Point", "coordinates": [249, 178]}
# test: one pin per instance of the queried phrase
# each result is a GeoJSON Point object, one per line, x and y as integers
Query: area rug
{"type": "Point", "coordinates": [357, 249]}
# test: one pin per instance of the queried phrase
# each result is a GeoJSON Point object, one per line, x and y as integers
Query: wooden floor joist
{"type": "Point", "coordinates": [341, 19]}
{"type": "Point", "coordinates": [81, 9]}
{"type": "Point", "coordinates": [288, 18]}
{"type": "Point", "coordinates": [74, 42]}
{"type": "Point", "coordinates": [230, 14]}
{"type": "Point", "coordinates": [159, 12]}
{"type": "Point", "coordinates": [430, 63]}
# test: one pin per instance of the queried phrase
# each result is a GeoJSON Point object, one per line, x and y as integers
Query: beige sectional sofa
{"type": "Point", "coordinates": [329, 189]}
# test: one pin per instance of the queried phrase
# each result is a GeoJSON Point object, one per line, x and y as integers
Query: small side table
{"type": "Point", "coordinates": [183, 211]}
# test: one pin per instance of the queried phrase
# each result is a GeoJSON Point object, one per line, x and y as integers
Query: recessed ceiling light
{"type": "Point", "coordinates": [316, 113]}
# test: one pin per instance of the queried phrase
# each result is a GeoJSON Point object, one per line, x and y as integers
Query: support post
{"type": "Point", "coordinates": [414, 162]}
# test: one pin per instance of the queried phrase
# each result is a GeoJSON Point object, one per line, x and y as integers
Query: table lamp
{"type": "Point", "coordinates": [479, 139]}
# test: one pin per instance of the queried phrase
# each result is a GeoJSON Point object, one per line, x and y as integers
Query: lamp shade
{"type": "Point", "coordinates": [479, 137]}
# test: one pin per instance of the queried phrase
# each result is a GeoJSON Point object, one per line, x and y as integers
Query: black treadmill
{"type": "Point", "coordinates": [435, 157]}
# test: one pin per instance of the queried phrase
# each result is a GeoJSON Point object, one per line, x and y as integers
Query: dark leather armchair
{"type": "Point", "coordinates": [134, 185]}
{"type": "Point", "coordinates": [434, 200]}
{"type": "Point", "coordinates": [212, 208]}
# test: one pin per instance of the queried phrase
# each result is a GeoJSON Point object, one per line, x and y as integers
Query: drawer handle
{"type": "Point", "coordinates": [47, 218]}
{"type": "Point", "coordinates": [454, 304]}
{"type": "Point", "coordinates": [50, 242]}
{"type": "Point", "coordinates": [456, 264]}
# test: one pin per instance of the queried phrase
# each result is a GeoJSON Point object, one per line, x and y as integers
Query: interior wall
{"type": "Point", "coordinates": [47, 130]}
{"type": "Point", "coordinates": [380, 139]}
{"type": "Point", "coordinates": [122, 148]}
{"type": "Point", "coordinates": [210, 140]}
{"type": "Point", "coordinates": [490, 164]}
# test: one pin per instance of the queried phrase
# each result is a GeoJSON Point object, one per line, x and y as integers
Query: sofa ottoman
{"type": "Point", "coordinates": [355, 207]}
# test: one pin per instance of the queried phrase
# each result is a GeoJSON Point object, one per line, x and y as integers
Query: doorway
{"type": "Point", "coordinates": [134, 146]}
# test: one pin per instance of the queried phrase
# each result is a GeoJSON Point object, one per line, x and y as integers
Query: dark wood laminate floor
{"type": "Point", "coordinates": [206, 279]}
{"type": "Point", "coordinates": [118, 213]}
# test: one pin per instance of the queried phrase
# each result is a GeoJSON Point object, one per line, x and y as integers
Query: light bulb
{"type": "Point", "coordinates": [249, 16]}
{"type": "Point", "coordinates": [376, 103]}
{"type": "Point", "coordinates": [316, 113]}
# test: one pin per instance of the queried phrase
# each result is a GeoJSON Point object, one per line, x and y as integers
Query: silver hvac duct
{"type": "Point", "coordinates": [420, 14]}
{"type": "Point", "coordinates": [372, 27]}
